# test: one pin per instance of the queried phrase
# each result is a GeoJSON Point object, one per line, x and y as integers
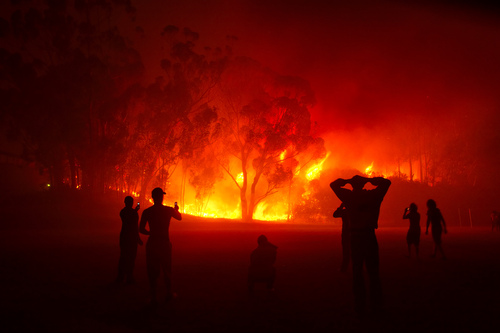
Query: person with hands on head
{"type": "Point", "coordinates": [363, 209]}
{"type": "Point", "coordinates": [159, 247]}
{"type": "Point", "coordinates": [435, 219]}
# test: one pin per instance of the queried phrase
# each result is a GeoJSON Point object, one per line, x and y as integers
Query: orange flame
{"type": "Point", "coordinates": [369, 170]}
{"type": "Point", "coordinates": [315, 171]}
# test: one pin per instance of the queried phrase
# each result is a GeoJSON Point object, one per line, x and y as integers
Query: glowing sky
{"type": "Point", "coordinates": [367, 61]}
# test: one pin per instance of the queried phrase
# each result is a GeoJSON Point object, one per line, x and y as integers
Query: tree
{"type": "Point", "coordinates": [70, 112]}
{"type": "Point", "coordinates": [175, 110]}
{"type": "Point", "coordinates": [267, 122]}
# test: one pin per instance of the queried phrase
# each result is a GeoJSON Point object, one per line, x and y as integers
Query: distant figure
{"type": "Point", "coordinates": [129, 238]}
{"type": "Point", "coordinates": [262, 262]}
{"type": "Point", "coordinates": [495, 221]}
{"type": "Point", "coordinates": [158, 247]}
{"type": "Point", "coordinates": [346, 237]}
{"type": "Point", "coordinates": [413, 235]}
{"type": "Point", "coordinates": [435, 218]}
{"type": "Point", "coordinates": [363, 207]}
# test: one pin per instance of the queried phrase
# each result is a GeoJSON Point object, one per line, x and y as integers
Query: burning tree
{"type": "Point", "coordinates": [175, 117]}
{"type": "Point", "coordinates": [267, 124]}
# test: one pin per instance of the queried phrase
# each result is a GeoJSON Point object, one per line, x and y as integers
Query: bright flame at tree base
{"type": "Point", "coordinates": [224, 202]}
{"type": "Point", "coordinates": [216, 210]}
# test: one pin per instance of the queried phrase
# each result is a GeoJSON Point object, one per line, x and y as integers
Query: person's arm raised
{"type": "Point", "coordinates": [176, 214]}
{"type": "Point", "coordinates": [338, 188]}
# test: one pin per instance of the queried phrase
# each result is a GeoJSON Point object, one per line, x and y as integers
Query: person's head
{"type": "Point", "coordinates": [413, 207]}
{"type": "Point", "coordinates": [357, 183]}
{"type": "Point", "coordinates": [261, 240]}
{"type": "Point", "coordinates": [129, 201]}
{"type": "Point", "coordinates": [157, 195]}
{"type": "Point", "coordinates": [431, 204]}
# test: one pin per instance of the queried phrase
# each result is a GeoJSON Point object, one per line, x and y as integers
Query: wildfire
{"type": "Point", "coordinates": [369, 170]}
{"type": "Point", "coordinates": [282, 155]}
{"type": "Point", "coordinates": [223, 202]}
{"type": "Point", "coordinates": [275, 212]}
{"type": "Point", "coordinates": [239, 178]}
{"type": "Point", "coordinates": [216, 210]}
{"type": "Point", "coordinates": [315, 171]}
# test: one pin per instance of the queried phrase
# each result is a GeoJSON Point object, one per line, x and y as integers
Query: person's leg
{"type": "Point", "coordinates": [440, 248]}
{"type": "Point", "coordinates": [131, 255]}
{"type": "Point", "coordinates": [167, 270]}
{"type": "Point", "coordinates": [346, 252]}
{"type": "Point", "coordinates": [358, 286]}
{"type": "Point", "coordinates": [121, 266]}
{"type": "Point", "coordinates": [436, 236]}
{"type": "Point", "coordinates": [153, 268]}
{"type": "Point", "coordinates": [372, 268]}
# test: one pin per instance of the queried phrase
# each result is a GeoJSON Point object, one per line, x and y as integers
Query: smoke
{"type": "Point", "coordinates": [386, 74]}
{"type": "Point", "coordinates": [369, 62]}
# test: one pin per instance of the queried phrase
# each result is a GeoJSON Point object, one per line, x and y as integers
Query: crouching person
{"type": "Point", "coordinates": [262, 261]}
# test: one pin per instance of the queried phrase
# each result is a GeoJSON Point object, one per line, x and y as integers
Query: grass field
{"type": "Point", "coordinates": [58, 267]}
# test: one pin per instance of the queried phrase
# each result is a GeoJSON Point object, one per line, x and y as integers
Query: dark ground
{"type": "Point", "coordinates": [59, 262]}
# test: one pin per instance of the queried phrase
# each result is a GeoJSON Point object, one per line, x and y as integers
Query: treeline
{"type": "Point", "coordinates": [74, 93]}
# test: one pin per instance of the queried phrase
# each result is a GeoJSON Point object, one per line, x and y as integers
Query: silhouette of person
{"type": "Point", "coordinates": [158, 247]}
{"type": "Point", "coordinates": [435, 218]}
{"type": "Point", "coordinates": [413, 235]}
{"type": "Point", "coordinates": [363, 207]}
{"type": "Point", "coordinates": [262, 262]}
{"type": "Point", "coordinates": [346, 236]}
{"type": "Point", "coordinates": [129, 238]}
{"type": "Point", "coordinates": [495, 220]}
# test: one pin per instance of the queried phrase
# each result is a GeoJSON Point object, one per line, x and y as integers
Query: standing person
{"type": "Point", "coordinates": [435, 218]}
{"type": "Point", "coordinates": [363, 207]}
{"type": "Point", "coordinates": [346, 237]}
{"type": "Point", "coordinates": [413, 235]}
{"type": "Point", "coordinates": [262, 262]}
{"type": "Point", "coordinates": [129, 238]}
{"type": "Point", "coordinates": [158, 247]}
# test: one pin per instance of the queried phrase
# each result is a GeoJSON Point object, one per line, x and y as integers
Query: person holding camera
{"type": "Point", "coordinates": [158, 247]}
{"type": "Point", "coordinates": [363, 208]}
{"type": "Point", "coordinates": [413, 234]}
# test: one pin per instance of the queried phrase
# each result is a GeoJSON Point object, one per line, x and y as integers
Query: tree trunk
{"type": "Point", "coordinates": [251, 206]}
{"type": "Point", "coordinates": [411, 170]}
{"type": "Point", "coordinates": [243, 191]}
{"type": "Point", "coordinates": [146, 180]}
{"type": "Point", "coordinates": [421, 169]}
{"type": "Point", "coordinates": [183, 187]}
